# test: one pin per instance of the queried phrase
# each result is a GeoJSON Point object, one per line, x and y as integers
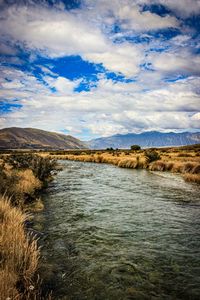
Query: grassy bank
{"type": "Point", "coordinates": [183, 160]}
{"type": "Point", "coordinates": [21, 179]}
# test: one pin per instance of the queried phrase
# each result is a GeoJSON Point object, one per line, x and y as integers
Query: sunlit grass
{"type": "Point", "coordinates": [175, 160]}
{"type": "Point", "coordinates": [19, 254]}
{"type": "Point", "coordinates": [21, 178]}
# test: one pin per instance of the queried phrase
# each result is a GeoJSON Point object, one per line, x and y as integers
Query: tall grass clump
{"type": "Point", "coordinates": [192, 177]}
{"type": "Point", "coordinates": [23, 175]}
{"type": "Point", "coordinates": [19, 255]}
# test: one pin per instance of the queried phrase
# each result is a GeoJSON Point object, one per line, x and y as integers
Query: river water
{"type": "Point", "coordinates": [112, 233]}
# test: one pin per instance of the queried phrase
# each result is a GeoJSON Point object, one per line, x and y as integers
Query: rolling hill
{"type": "Point", "coordinates": [31, 138]}
{"type": "Point", "coordinates": [146, 140]}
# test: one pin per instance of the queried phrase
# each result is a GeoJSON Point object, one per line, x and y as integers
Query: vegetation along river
{"type": "Point", "coordinates": [112, 233]}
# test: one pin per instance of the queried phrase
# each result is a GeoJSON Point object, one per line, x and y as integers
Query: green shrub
{"type": "Point", "coordinates": [151, 155]}
{"type": "Point", "coordinates": [41, 166]}
{"type": "Point", "coordinates": [135, 147]}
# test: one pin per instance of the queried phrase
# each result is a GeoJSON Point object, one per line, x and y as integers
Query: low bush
{"type": "Point", "coordinates": [41, 166]}
{"type": "Point", "coordinates": [151, 155]}
{"type": "Point", "coordinates": [135, 147]}
{"type": "Point", "coordinates": [23, 175]}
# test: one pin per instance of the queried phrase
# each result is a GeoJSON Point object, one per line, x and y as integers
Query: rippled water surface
{"type": "Point", "coordinates": [112, 233]}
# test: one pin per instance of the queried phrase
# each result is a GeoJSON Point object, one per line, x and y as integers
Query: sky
{"type": "Point", "coordinates": [98, 68]}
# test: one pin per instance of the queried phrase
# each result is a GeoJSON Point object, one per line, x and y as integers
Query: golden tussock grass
{"type": "Point", "coordinates": [161, 166]}
{"type": "Point", "coordinates": [122, 160]}
{"type": "Point", "coordinates": [186, 167]}
{"type": "Point", "coordinates": [21, 177]}
{"type": "Point", "coordinates": [173, 161]}
{"type": "Point", "coordinates": [19, 254]}
{"type": "Point", "coordinates": [28, 183]}
{"type": "Point", "coordinates": [192, 177]}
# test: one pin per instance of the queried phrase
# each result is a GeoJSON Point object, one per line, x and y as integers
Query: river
{"type": "Point", "coordinates": [113, 233]}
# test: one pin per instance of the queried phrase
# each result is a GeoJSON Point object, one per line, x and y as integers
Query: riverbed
{"type": "Point", "coordinates": [112, 233]}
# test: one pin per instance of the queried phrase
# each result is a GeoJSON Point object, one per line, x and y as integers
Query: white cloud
{"type": "Point", "coordinates": [129, 15]}
{"type": "Point", "coordinates": [181, 62]}
{"type": "Point", "coordinates": [15, 84]}
{"type": "Point", "coordinates": [110, 108]}
{"type": "Point", "coordinates": [132, 18]}
{"type": "Point", "coordinates": [56, 33]}
{"type": "Point", "coordinates": [63, 85]}
{"type": "Point", "coordinates": [183, 8]}
{"type": "Point", "coordinates": [119, 58]}
{"type": "Point", "coordinates": [148, 103]}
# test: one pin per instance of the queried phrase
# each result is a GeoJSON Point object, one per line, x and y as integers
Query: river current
{"type": "Point", "coordinates": [113, 233]}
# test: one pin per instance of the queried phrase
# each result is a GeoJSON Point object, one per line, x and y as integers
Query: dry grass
{"type": "Point", "coordinates": [192, 177]}
{"type": "Point", "coordinates": [35, 206]}
{"type": "Point", "coordinates": [19, 254]}
{"type": "Point", "coordinates": [174, 160]}
{"type": "Point", "coordinates": [27, 183]}
{"type": "Point", "coordinates": [21, 177]}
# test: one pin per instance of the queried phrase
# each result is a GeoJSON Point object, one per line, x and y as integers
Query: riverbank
{"type": "Point", "coordinates": [22, 177]}
{"type": "Point", "coordinates": [183, 160]}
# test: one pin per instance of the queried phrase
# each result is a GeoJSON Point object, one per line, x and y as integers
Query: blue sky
{"type": "Point", "coordinates": [98, 68]}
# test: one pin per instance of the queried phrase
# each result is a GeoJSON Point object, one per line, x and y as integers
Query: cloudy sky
{"type": "Point", "coordinates": [96, 68]}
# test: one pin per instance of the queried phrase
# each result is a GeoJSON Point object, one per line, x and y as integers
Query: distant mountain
{"type": "Point", "coordinates": [31, 138]}
{"type": "Point", "coordinates": [146, 140]}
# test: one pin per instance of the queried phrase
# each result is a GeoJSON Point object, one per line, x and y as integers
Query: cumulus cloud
{"type": "Point", "coordinates": [62, 85]}
{"type": "Point", "coordinates": [56, 33]}
{"type": "Point", "coordinates": [132, 18]}
{"type": "Point", "coordinates": [108, 109]}
{"type": "Point", "coordinates": [182, 62]}
{"type": "Point", "coordinates": [184, 8]}
{"type": "Point", "coordinates": [162, 92]}
{"type": "Point", "coordinates": [129, 15]}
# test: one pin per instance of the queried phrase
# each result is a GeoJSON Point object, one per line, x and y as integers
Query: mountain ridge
{"type": "Point", "coordinates": [146, 139]}
{"type": "Point", "coordinates": [33, 138]}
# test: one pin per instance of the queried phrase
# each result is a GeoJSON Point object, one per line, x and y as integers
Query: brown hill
{"type": "Point", "coordinates": [31, 138]}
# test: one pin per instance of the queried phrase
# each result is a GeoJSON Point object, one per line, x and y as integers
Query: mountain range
{"type": "Point", "coordinates": [31, 138]}
{"type": "Point", "coordinates": [146, 140]}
